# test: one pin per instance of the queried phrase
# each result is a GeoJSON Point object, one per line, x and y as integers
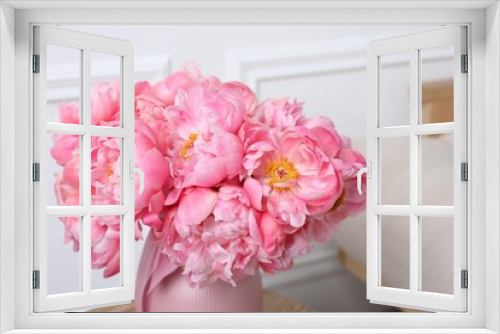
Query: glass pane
{"type": "Point", "coordinates": [63, 84]}
{"type": "Point", "coordinates": [394, 89]}
{"type": "Point", "coordinates": [105, 173]}
{"type": "Point", "coordinates": [437, 254]}
{"type": "Point", "coordinates": [105, 79]}
{"type": "Point", "coordinates": [395, 251]}
{"type": "Point", "coordinates": [63, 257]}
{"type": "Point", "coordinates": [395, 170]}
{"type": "Point", "coordinates": [105, 252]}
{"type": "Point", "coordinates": [437, 84]}
{"type": "Point", "coordinates": [437, 169]}
{"type": "Point", "coordinates": [63, 170]}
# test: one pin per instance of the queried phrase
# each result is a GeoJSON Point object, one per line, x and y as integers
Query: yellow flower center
{"type": "Point", "coordinates": [339, 202]}
{"type": "Point", "coordinates": [279, 172]}
{"type": "Point", "coordinates": [188, 145]}
{"type": "Point", "coordinates": [110, 172]}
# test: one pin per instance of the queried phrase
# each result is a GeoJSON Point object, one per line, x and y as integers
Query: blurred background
{"type": "Point", "coordinates": [325, 67]}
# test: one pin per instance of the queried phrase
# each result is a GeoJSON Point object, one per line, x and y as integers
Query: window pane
{"type": "Point", "coordinates": [395, 251]}
{"type": "Point", "coordinates": [395, 170]}
{"type": "Point", "coordinates": [437, 84]}
{"type": "Point", "coordinates": [105, 252]}
{"type": "Point", "coordinates": [63, 256]}
{"type": "Point", "coordinates": [437, 254]}
{"type": "Point", "coordinates": [63, 84]}
{"type": "Point", "coordinates": [63, 170]}
{"type": "Point", "coordinates": [437, 169]}
{"type": "Point", "coordinates": [394, 89]}
{"type": "Point", "coordinates": [105, 80]}
{"type": "Point", "coordinates": [105, 173]}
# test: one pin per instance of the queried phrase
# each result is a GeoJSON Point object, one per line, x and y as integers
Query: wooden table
{"type": "Point", "coordinates": [273, 302]}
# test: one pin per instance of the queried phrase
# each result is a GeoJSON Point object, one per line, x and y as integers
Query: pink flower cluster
{"type": "Point", "coordinates": [231, 185]}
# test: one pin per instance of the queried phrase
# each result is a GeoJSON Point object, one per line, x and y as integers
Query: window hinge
{"type": "Point", "coordinates": [36, 279]}
{"type": "Point", "coordinates": [465, 279]}
{"type": "Point", "coordinates": [36, 63]}
{"type": "Point", "coordinates": [465, 64]}
{"type": "Point", "coordinates": [464, 172]}
{"type": "Point", "coordinates": [36, 172]}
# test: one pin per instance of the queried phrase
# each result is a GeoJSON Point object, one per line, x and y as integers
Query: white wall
{"type": "Point", "coordinates": [321, 65]}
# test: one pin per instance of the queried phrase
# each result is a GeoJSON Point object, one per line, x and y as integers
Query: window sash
{"type": "Point", "coordinates": [87, 297]}
{"type": "Point", "coordinates": [413, 298]}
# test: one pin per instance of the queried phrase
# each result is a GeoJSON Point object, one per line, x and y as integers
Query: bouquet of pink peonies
{"type": "Point", "coordinates": [231, 185]}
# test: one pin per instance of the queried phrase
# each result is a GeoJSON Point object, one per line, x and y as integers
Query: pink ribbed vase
{"type": "Point", "coordinates": [173, 294]}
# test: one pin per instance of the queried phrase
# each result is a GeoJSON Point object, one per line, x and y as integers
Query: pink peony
{"type": "Point", "coordinates": [214, 110]}
{"type": "Point", "coordinates": [195, 205]}
{"type": "Point", "coordinates": [278, 114]}
{"type": "Point", "coordinates": [105, 104]}
{"type": "Point", "coordinates": [273, 236]}
{"type": "Point", "coordinates": [350, 203]}
{"type": "Point", "coordinates": [105, 244]}
{"type": "Point", "coordinates": [296, 177]}
{"type": "Point", "coordinates": [72, 231]}
{"type": "Point", "coordinates": [69, 113]}
{"type": "Point", "coordinates": [65, 148]}
{"type": "Point", "coordinates": [151, 110]}
{"type": "Point", "coordinates": [281, 248]}
{"type": "Point", "coordinates": [221, 237]}
{"type": "Point", "coordinates": [167, 89]}
{"type": "Point", "coordinates": [200, 155]}
{"type": "Point", "coordinates": [151, 161]}
{"type": "Point", "coordinates": [242, 93]}
{"type": "Point", "coordinates": [324, 133]}
{"type": "Point", "coordinates": [105, 171]}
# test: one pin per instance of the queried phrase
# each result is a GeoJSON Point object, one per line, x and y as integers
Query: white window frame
{"type": "Point", "coordinates": [414, 297]}
{"type": "Point", "coordinates": [483, 21]}
{"type": "Point", "coordinates": [125, 132]}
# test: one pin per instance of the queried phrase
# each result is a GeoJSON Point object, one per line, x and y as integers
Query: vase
{"type": "Point", "coordinates": [173, 294]}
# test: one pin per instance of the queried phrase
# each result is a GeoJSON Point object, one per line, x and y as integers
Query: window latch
{"type": "Point", "coordinates": [132, 169]}
{"type": "Point", "coordinates": [368, 171]}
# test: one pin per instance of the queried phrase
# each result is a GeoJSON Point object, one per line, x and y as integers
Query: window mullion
{"type": "Point", "coordinates": [414, 171]}
{"type": "Point", "coordinates": [85, 168]}
{"type": "Point", "coordinates": [419, 126]}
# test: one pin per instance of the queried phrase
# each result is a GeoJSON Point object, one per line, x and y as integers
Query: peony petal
{"type": "Point", "coordinates": [156, 202]}
{"type": "Point", "coordinates": [142, 88]}
{"type": "Point", "coordinates": [273, 234]}
{"type": "Point", "coordinates": [208, 173]}
{"type": "Point", "coordinates": [234, 154]}
{"type": "Point", "coordinates": [254, 191]}
{"type": "Point", "coordinates": [197, 205]}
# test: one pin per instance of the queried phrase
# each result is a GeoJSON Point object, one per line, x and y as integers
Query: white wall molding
{"type": "Point", "coordinates": [63, 85]}
{"type": "Point", "coordinates": [256, 65]}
